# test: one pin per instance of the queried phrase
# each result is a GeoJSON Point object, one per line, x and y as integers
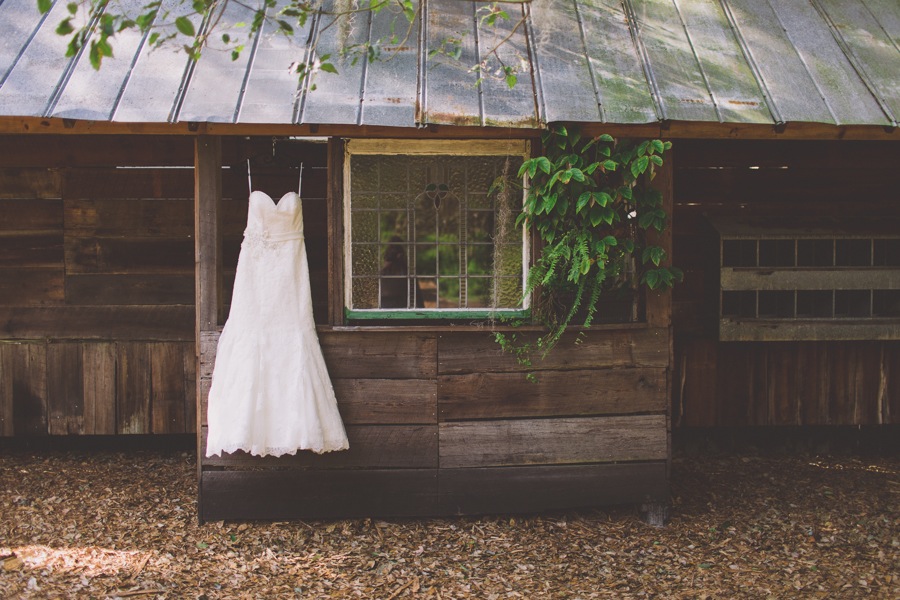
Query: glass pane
{"type": "Point", "coordinates": [510, 261]}
{"type": "Point", "coordinates": [426, 292]}
{"type": "Point", "coordinates": [886, 303]}
{"type": "Point", "coordinates": [852, 303]}
{"type": "Point", "coordinates": [365, 201]}
{"type": "Point", "coordinates": [394, 174]}
{"type": "Point", "coordinates": [853, 253]}
{"type": "Point", "coordinates": [394, 292]}
{"type": "Point", "coordinates": [509, 292]}
{"type": "Point", "coordinates": [739, 253]}
{"type": "Point", "coordinates": [448, 221]}
{"type": "Point", "coordinates": [815, 253]}
{"type": "Point", "coordinates": [739, 304]}
{"type": "Point", "coordinates": [394, 225]}
{"type": "Point", "coordinates": [776, 253]}
{"type": "Point", "coordinates": [426, 260]}
{"type": "Point", "coordinates": [479, 292]}
{"type": "Point", "coordinates": [365, 292]}
{"type": "Point", "coordinates": [448, 260]}
{"type": "Point", "coordinates": [393, 200]}
{"type": "Point", "coordinates": [480, 260]}
{"type": "Point", "coordinates": [814, 304]}
{"type": "Point", "coordinates": [393, 260]}
{"type": "Point", "coordinates": [479, 200]}
{"type": "Point", "coordinates": [365, 260]}
{"type": "Point", "coordinates": [887, 253]}
{"type": "Point", "coordinates": [425, 222]}
{"type": "Point", "coordinates": [363, 174]}
{"type": "Point", "coordinates": [774, 304]}
{"type": "Point", "coordinates": [449, 292]}
{"type": "Point", "coordinates": [481, 226]}
{"type": "Point", "coordinates": [364, 227]}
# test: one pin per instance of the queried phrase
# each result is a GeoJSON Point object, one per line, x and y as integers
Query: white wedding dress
{"type": "Point", "coordinates": [271, 394]}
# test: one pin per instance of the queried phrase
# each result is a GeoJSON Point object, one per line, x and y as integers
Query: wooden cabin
{"type": "Point", "coordinates": [123, 198]}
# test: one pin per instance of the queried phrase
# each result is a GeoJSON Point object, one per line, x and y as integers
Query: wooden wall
{"type": "Point", "coordinates": [442, 422]}
{"type": "Point", "coordinates": [775, 383]}
{"type": "Point", "coordinates": [97, 275]}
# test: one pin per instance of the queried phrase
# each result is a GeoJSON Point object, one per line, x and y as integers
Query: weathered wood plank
{"type": "Point", "coordinates": [39, 182]}
{"type": "Point", "coordinates": [375, 401]}
{"type": "Point", "coordinates": [129, 255]}
{"type": "Point", "coordinates": [208, 232]}
{"type": "Point", "coordinates": [99, 360]}
{"type": "Point", "coordinates": [386, 401]}
{"type": "Point", "coordinates": [189, 356]}
{"type": "Point", "coordinates": [890, 386]}
{"type": "Point", "coordinates": [791, 330]}
{"type": "Point", "coordinates": [164, 323]}
{"type": "Point", "coordinates": [557, 487]}
{"type": "Point", "coordinates": [118, 183]}
{"type": "Point", "coordinates": [168, 217]}
{"type": "Point", "coordinates": [33, 250]}
{"type": "Point", "coordinates": [23, 389]}
{"type": "Point", "coordinates": [334, 226]}
{"type": "Point", "coordinates": [167, 387]}
{"type": "Point", "coordinates": [32, 287]}
{"type": "Point", "coordinates": [784, 383]}
{"type": "Point", "coordinates": [18, 215]}
{"type": "Point", "coordinates": [133, 390]}
{"type": "Point", "coordinates": [838, 278]}
{"type": "Point", "coordinates": [130, 289]}
{"type": "Point", "coordinates": [65, 388]}
{"type": "Point", "coordinates": [845, 154]}
{"type": "Point", "coordinates": [387, 355]}
{"type": "Point", "coordinates": [314, 494]}
{"type": "Point", "coordinates": [468, 352]}
{"type": "Point", "coordinates": [552, 441]}
{"type": "Point", "coordinates": [556, 393]}
{"type": "Point", "coordinates": [91, 150]}
{"type": "Point", "coordinates": [371, 447]}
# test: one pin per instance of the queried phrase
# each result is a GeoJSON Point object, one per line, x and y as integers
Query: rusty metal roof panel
{"type": "Point", "coordinates": [103, 86]}
{"type": "Point", "coordinates": [389, 92]}
{"type": "Point", "coordinates": [610, 61]}
{"type": "Point", "coordinates": [215, 89]}
{"type": "Point", "coordinates": [561, 66]}
{"type": "Point", "coordinates": [33, 82]}
{"type": "Point", "coordinates": [729, 78]}
{"type": "Point", "coordinates": [449, 91]}
{"type": "Point", "coordinates": [671, 62]}
{"type": "Point", "coordinates": [869, 48]}
{"type": "Point", "coordinates": [839, 85]}
{"type": "Point", "coordinates": [336, 97]}
{"type": "Point", "coordinates": [155, 87]}
{"type": "Point", "coordinates": [272, 89]}
{"type": "Point", "coordinates": [624, 93]}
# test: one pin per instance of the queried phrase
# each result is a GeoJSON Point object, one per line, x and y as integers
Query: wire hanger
{"type": "Point", "coordinates": [249, 182]}
{"type": "Point", "coordinates": [300, 185]}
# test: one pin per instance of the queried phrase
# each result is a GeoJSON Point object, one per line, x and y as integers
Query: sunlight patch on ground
{"type": "Point", "coordinates": [90, 561]}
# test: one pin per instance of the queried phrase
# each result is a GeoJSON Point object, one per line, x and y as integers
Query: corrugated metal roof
{"type": "Point", "coordinates": [599, 61]}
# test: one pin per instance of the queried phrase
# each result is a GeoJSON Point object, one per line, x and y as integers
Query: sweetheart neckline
{"type": "Point", "coordinates": [275, 203]}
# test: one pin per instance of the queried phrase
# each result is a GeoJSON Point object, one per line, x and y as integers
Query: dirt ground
{"type": "Point", "coordinates": [110, 524]}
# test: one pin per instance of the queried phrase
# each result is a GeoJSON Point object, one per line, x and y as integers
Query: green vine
{"type": "Point", "coordinates": [591, 203]}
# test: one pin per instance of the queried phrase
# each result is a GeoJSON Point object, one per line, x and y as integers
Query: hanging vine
{"type": "Point", "coordinates": [591, 203]}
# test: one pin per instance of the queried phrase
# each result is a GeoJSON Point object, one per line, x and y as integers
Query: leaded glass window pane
{"type": "Point", "coordinates": [435, 232]}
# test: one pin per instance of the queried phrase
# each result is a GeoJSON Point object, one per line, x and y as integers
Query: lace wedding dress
{"type": "Point", "coordinates": [271, 394]}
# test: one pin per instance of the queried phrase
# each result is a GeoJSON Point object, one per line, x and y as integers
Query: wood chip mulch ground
{"type": "Point", "coordinates": [110, 524]}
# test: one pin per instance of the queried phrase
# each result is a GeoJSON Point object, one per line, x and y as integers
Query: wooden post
{"type": "Point", "coordinates": [207, 268]}
{"type": "Point", "coordinates": [335, 203]}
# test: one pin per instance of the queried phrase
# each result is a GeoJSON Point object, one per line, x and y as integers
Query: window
{"type": "Point", "coordinates": [819, 281]}
{"type": "Point", "coordinates": [430, 228]}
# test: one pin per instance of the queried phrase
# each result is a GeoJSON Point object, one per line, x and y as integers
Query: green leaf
{"type": "Point", "coordinates": [606, 138]}
{"type": "Point", "coordinates": [153, 38]}
{"type": "Point", "coordinates": [639, 166]}
{"type": "Point", "coordinates": [657, 146]}
{"type": "Point", "coordinates": [550, 202]}
{"type": "Point", "coordinates": [184, 25]}
{"type": "Point", "coordinates": [577, 174]}
{"type": "Point", "coordinates": [562, 205]}
{"type": "Point", "coordinates": [626, 192]}
{"type": "Point", "coordinates": [589, 170]}
{"type": "Point", "coordinates": [104, 48]}
{"type": "Point", "coordinates": [656, 160]}
{"type": "Point", "coordinates": [642, 148]}
{"type": "Point", "coordinates": [44, 6]}
{"type": "Point", "coordinates": [65, 27]}
{"type": "Point", "coordinates": [511, 80]}
{"type": "Point", "coordinates": [610, 165]}
{"type": "Point", "coordinates": [602, 198]}
{"type": "Point", "coordinates": [328, 67]}
{"type": "Point", "coordinates": [628, 245]}
{"type": "Point", "coordinates": [651, 278]}
{"type": "Point", "coordinates": [596, 215]}
{"type": "Point", "coordinates": [583, 199]}
{"type": "Point", "coordinates": [72, 7]}
{"type": "Point", "coordinates": [543, 164]}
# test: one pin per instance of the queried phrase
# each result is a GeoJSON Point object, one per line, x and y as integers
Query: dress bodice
{"type": "Point", "coordinates": [271, 221]}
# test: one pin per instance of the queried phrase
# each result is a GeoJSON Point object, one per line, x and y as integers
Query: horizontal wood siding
{"type": "Point", "coordinates": [556, 487]}
{"type": "Point", "coordinates": [779, 382]}
{"type": "Point", "coordinates": [552, 441]}
{"type": "Point", "coordinates": [318, 494]}
{"type": "Point", "coordinates": [97, 274]}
